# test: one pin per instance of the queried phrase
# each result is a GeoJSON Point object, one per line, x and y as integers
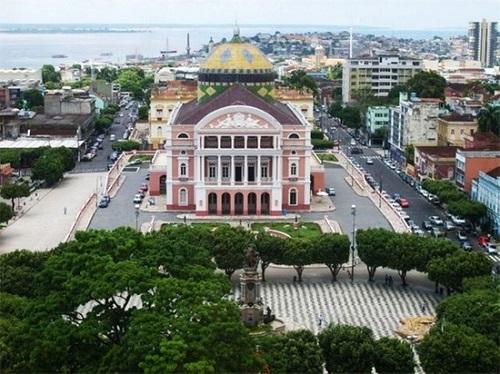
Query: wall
{"type": "Point", "coordinates": [474, 165]}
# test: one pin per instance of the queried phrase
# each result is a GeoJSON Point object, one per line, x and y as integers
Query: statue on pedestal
{"type": "Point", "coordinates": [251, 307]}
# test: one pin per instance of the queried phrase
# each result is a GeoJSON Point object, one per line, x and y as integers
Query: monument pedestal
{"type": "Point", "coordinates": [251, 308]}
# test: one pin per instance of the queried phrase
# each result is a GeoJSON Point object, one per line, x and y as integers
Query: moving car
{"type": "Point", "coordinates": [483, 240]}
{"type": "Point", "coordinates": [404, 203]}
{"type": "Point", "coordinates": [369, 161]}
{"type": "Point", "coordinates": [103, 203]}
{"type": "Point", "coordinates": [330, 191]}
{"type": "Point", "coordinates": [462, 236]}
{"type": "Point", "coordinates": [353, 142]}
{"type": "Point", "coordinates": [112, 137]}
{"type": "Point", "coordinates": [137, 199]}
{"type": "Point", "coordinates": [491, 248]}
{"type": "Point", "coordinates": [436, 220]}
{"type": "Point", "coordinates": [88, 156]}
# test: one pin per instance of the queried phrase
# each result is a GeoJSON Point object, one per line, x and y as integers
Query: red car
{"type": "Point", "coordinates": [483, 240]}
{"type": "Point", "coordinates": [403, 203]}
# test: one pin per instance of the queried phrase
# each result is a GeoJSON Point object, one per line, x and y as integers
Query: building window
{"type": "Point", "coordinates": [182, 136]}
{"type": "Point", "coordinates": [264, 169]}
{"type": "Point", "coordinates": [183, 169]}
{"type": "Point", "coordinates": [225, 142]}
{"type": "Point", "coordinates": [472, 131]}
{"type": "Point", "coordinates": [158, 131]}
{"type": "Point", "coordinates": [225, 171]}
{"type": "Point", "coordinates": [211, 142]}
{"type": "Point", "coordinates": [159, 113]}
{"type": "Point", "coordinates": [252, 142]}
{"type": "Point", "coordinates": [183, 197]}
{"type": "Point", "coordinates": [293, 169]}
{"type": "Point", "coordinates": [212, 170]}
{"type": "Point", "coordinates": [292, 198]}
{"type": "Point", "coordinates": [293, 136]}
{"type": "Point", "coordinates": [239, 142]}
{"type": "Point", "coordinates": [266, 142]}
{"type": "Point", "coordinates": [452, 131]}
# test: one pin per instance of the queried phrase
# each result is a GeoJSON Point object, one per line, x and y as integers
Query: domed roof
{"type": "Point", "coordinates": [236, 57]}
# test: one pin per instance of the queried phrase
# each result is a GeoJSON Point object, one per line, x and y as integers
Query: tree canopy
{"type": "Point", "coordinates": [299, 80]}
{"type": "Point", "coordinates": [393, 356]}
{"type": "Point", "coordinates": [49, 74]}
{"type": "Point", "coordinates": [489, 119]}
{"type": "Point", "coordinates": [427, 84]}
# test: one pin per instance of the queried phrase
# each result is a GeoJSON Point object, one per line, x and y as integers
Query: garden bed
{"type": "Point", "coordinates": [304, 230]}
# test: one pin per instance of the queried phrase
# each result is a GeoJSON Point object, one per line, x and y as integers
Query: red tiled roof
{"type": "Point", "coordinates": [440, 151]}
{"type": "Point", "coordinates": [193, 111]}
{"type": "Point", "coordinates": [456, 117]}
{"type": "Point", "coordinates": [495, 173]}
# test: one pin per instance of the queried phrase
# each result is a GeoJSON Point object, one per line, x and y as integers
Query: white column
{"type": "Point", "coordinates": [219, 170]}
{"type": "Point", "coordinates": [275, 169]}
{"type": "Point", "coordinates": [279, 174]}
{"type": "Point", "coordinates": [232, 170]}
{"type": "Point", "coordinates": [203, 168]}
{"type": "Point", "coordinates": [258, 170]}
{"type": "Point", "coordinates": [245, 171]}
{"type": "Point", "coordinates": [196, 162]}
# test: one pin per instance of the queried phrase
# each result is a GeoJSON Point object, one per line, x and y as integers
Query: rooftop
{"type": "Point", "coordinates": [193, 111]}
{"type": "Point", "coordinates": [456, 117]}
{"type": "Point", "coordinates": [438, 151]}
{"type": "Point", "coordinates": [495, 173]}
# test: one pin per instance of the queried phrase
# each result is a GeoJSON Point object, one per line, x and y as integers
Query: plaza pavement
{"type": "Point", "coordinates": [45, 224]}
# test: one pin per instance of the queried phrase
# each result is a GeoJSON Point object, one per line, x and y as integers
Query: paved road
{"type": "Point", "coordinates": [101, 161]}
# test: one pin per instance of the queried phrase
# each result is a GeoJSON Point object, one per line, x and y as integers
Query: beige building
{"type": "Point", "coordinates": [453, 128]}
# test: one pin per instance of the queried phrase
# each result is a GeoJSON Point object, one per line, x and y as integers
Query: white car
{"type": "Point", "coordinates": [369, 161]}
{"type": "Point", "coordinates": [424, 193]}
{"type": "Point", "coordinates": [353, 142]}
{"type": "Point", "coordinates": [392, 166]}
{"type": "Point", "coordinates": [457, 220]}
{"type": "Point", "coordinates": [436, 220]}
{"type": "Point", "coordinates": [491, 248]}
{"type": "Point", "coordinates": [137, 199]}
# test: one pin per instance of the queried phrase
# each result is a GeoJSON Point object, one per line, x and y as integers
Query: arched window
{"type": "Point", "coordinates": [293, 136]}
{"type": "Point", "coordinates": [293, 169]}
{"type": "Point", "coordinates": [183, 197]}
{"type": "Point", "coordinates": [182, 135]}
{"type": "Point", "coordinates": [183, 169]}
{"type": "Point", "coordinates": [292, 197]}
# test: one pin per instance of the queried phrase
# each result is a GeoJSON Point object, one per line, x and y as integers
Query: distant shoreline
{"type": "Point", "coordinates": [69, 31]}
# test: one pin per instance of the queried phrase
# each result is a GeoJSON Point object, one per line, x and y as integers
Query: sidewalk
{"type": "Point", "coordinates": [47, 222]}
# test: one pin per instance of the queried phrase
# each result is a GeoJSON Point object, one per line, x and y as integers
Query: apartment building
{"type": "Point", "coordinates": [453, 128]}
{"type": "Point", "coordinates": [483, 42]}
{"type": "Point", "coordinates": [486, 189]}
{"type": "Point", "coordinates": [377, 117]}
{"type": "Point", "coordinates": [378, 74]}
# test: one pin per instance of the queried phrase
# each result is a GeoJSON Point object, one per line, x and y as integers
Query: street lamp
{"type": "Point", "coordinates": [353, 246]}
{"type": "Point", "coordinates": [380, 192]}
{"type": "Point", "coordinates": [137, 207]}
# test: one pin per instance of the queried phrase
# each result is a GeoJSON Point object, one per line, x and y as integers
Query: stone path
{"type": "Point", "coordinates": [376, 306]}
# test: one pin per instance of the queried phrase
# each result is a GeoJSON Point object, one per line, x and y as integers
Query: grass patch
{"type": "Point", "coordinates": [305, 229]}
{"type": "Point", "coordinates": [327, 157]}
{"type": "Point", "coordinates": [143, 158]}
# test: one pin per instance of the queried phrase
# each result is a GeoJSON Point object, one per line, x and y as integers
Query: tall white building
{"type": "Point", "coordinates": [413, 122]}
{"type": "Point", "coordinates": [483, 42]}
{"type": "Point", "coordinates": [378, 74]}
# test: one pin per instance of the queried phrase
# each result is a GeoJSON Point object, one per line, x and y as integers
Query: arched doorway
{"type": "Point", "coordinates": [264, 203]}
{"type": "Point", "coordinates": [252, 203]}
{"type": "Point", "coordinates": [163, 185]}
{"type": "Point", "coordinates": [226, 203]}
{"type": "Point", "coordinates": [212, 203]}
{"type": "Point", "coordinates": [238, 203]}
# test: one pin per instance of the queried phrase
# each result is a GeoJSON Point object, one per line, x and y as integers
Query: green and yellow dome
{"type": "Point", "coordinates": [235, 62]}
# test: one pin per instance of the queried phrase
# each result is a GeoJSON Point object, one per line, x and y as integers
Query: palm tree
{"type": "Point", "coordinates": [489, 119]}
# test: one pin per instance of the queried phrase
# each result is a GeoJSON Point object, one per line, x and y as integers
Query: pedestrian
{"type": "Point", "coordinates": [386, 279]}
{"type": "Point", "coordinates": [320, 320]}
{"type": "Point", "coordinates": [65, 210]}
{"type": "Point", "coordinates": [422, 307]}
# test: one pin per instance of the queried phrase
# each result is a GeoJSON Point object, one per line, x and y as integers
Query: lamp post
{"type": "Point", "coordinates": [353, 246]}
{"type": "Point", "coordinates": [380, 192]}
{"type": "Point", "coordinates": [137, 206]}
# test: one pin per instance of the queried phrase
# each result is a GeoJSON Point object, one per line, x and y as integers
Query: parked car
{"type": "Point", "coordinates": [448, 225]}
{"type": "Point", "coordinates": [88, 156]}
{"type": "Point", "coordinates": [437, 232]}
{"type": "Point", "coordinates": [147, 176]}
{"type": "Point", "coordinates": [369, 161]}
{"type": "Point", "coordinates": [424, 193]}
{"type": "Point", "coordinates": [491, 248]}
{"type": "Point", "coordinates": [419, 232]}
{"type": "Point", "coordinates": [462, 236]}
{"type": "Point", "coordinates": [137, 199]}
{"type": "Point", "coordinates": [141, 193]}
{"type": "Point", "coordinates": [103, 203]}
{"type": "Point", "coordinates": [144, 187]}
{"type": "Point", "coordinates": [483, 240]}
{"type": "Point", "coordinates": [456, 220]}
{"type": "Point", "coordinates": [404, 203]}
{"type": "Point", "coordinates": [427, 225]}
{"type": "Point", "coordinates": [436, 220]}
{"type": "Point", "coordinates": [330, 191]}
{"type": "Point", "coordinates": [353, 142]}
{"type": "Point", "coordinates": [466, 246]}
{"type": "Point", "coordinates": [112, 137]}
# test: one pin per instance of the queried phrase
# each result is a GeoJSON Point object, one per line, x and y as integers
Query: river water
{"type": "Point", "coordinates": [31, 50]}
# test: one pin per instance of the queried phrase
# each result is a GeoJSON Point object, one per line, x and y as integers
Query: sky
{"type": "Point", "coordinates": [394, 14]}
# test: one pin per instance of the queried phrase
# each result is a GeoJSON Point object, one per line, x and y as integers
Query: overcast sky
{"type": "Point", "coordinates": [396, 14]}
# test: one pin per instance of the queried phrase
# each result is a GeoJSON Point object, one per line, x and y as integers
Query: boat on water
{"type": "Point", "coordinates": [59, 56]}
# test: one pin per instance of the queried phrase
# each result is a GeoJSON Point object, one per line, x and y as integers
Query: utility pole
{"type": "Point", "coordinates": [188, 47]}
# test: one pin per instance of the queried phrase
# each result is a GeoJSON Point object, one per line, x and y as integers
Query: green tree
{"type": "Point", "coordinates": [406, 253]}
{"type": "Point", "coordinates": [143, 112]}
{"type": "Point", "coordinates": [393, 356]}
{"type": "Point", "coordinates": [373, 249]}
{"type": "Point", "coordinates": [351, 117]}
{"type": "Point", "coordinates": [335, 109]}
{"type": "Point", "coordinates": [450, 271]}
{"type": "Point", "coordinates": [489, 119]}
{"type": "Point", "coordinates": [457, 349]}
{"type": "Point", "coordinates": [102, 123]}
{"type": "Point", "coordinates": [108, 74]}
{"type": "Point", "coordinates": [270, 250]}
{"type": "Point", "coordinates": [298, 255]}
{"type": "Point", "coordinates": [331, 250]}
{"type": "Point", "coordinates": [125, 145]}
{"type": "Point", "coordinates": [478, 310]}
{"type": "Point", "coordinates": [299, 80]}
{"type": "Point", "coordinates": [49, 74]}
{"type": "Point", "coordinates": [63, 154]}
{"type": "Point", "coordinates": [14, 191]}
{"type": "Point", "coordinates": [474, 211]}
{"type": "Point", "coordinates": [427, 84]}
{"type": "Point", "coordinates": [335, 72]}
{"type": "Point", "coordinates": [347, 349]}
{"type": "Point", "coordinates": [321, 143]}
{"type": "Point", "coordinates": [393, 96]}
{"type": "Point", "coordinates": [33, 98]}
{"type": "Point", "coordinates": [293, 352]}
{"type": "Point", "coordinates": [53, 85]}
{"type": "Point", "coordinates": [410, 154]}
{"type": "Point", "coordinates": [6, 212]}
{"type": "Point", "coordinates": [229, 248]}
{"type": "Point", "coordinates": [48, 169]}
{"type": "Point", "coordinates": [11, 156]}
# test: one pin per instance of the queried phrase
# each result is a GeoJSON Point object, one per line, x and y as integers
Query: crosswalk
{"type": "Point", "coordinates": [374, 305]}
